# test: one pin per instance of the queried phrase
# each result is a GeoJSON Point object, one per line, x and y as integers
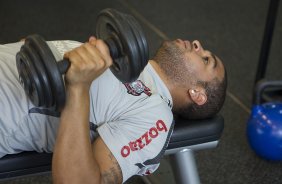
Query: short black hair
{"type": "Point", "coordinates": [216, 93]}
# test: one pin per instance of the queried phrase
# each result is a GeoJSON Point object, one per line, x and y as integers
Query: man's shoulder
{"type": "Point", "coordinates": [10, 48]}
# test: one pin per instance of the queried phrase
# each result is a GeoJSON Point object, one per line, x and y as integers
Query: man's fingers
{"type": "Point", "coordinates": [94, 55]}
{"type": "Point", "coordinates": [98, 51]}
{"type": "Point", "coordinates": [103, 48]}
{"type": "Point", "coordinates": [87, 58]}
{"type": "Point", "coordinates": [91, 56]}
{"type": "Point", "coordinates": [74, 57]}
{"type": "Point", "coordinates": [88, 62]}
{"type": "Point", "coordinates": [105, 52]}
{"type": "Point", "coordinates": [92, 40]}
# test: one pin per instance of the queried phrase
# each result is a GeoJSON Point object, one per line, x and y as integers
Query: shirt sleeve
{"type": "Point", "coordinates": [138, 142]}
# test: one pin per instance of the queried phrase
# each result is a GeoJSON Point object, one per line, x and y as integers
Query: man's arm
{"type": "Point", "coordinates": [109, 167]}
{"type": "Point", "coordinates": [75, 160]}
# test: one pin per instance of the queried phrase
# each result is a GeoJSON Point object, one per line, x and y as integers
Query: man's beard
{"type": "Point", "coordinates": [172, 61]}
{"type": "Point", "coordinates": [176, 67]}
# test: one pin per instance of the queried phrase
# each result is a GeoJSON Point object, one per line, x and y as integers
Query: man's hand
{"type": "Point", "coordinates": [88, 62]}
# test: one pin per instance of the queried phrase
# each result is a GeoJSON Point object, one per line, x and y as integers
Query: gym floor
{"type": "Point", "coordinates": [232, 29]}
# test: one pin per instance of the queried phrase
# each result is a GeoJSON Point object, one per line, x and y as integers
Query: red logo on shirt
{"type": "Point", "coordinates": [148, 172]}
{"type": "Point", "coordinates": [144, 140]}
{"type": "Point", "coordinates": [136, 88]}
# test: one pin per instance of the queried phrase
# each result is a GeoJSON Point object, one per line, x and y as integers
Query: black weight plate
{"type": "Point", "coordinates": [47, 100]}
{"type": "Point", "coordinates": [54, 76]}
{"type": "Point", "coordinates": [111, 22]}
{"type": "Point", "coordinates": [28, 77]}
{"type": "Point", "coordinates": [140, 39]}
{"type": "Point", "coordinates": [134, 42]}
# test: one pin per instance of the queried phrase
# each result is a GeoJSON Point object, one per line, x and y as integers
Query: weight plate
{"type": "Point", "coordinates": [46, 95]}
{"type": "Point", "coordinates": [140, 39]}
{"type": "Point", "coordinates": [111, 24]}
{"type": "Point", "coordinates": [54, 77]}
{"type": "Point", "coordinates": [28, 77]}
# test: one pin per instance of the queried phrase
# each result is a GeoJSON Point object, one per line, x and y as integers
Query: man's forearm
{"type": "Point", "coordinates": [73, 160]}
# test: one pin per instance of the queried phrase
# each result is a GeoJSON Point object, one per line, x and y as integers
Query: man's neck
{"type": "Point", "coordinates": [177, 94]}
{"type": "Point", "coordinates": [161, 74]}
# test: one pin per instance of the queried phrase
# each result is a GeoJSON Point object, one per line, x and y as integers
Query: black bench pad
{"type": "Point", "coordinates": [26, 163]}
{"type": "Point", "coordinates": [185, 133]}
{"type": "Point", "coordinates": [192, 132]}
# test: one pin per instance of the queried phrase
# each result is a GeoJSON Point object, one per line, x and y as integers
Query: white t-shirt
{"type": "Point", "coordinates": [134, 119]}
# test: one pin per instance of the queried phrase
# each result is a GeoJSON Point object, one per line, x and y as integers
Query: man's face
{"type": "Point", "coordinates": [190, 60]}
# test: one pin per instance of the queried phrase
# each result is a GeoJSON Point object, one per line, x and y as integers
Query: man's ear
{"type": "Point", "coordinates": [198, 96]}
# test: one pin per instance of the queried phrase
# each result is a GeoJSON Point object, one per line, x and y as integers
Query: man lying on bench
{"type": "Point", "coordinates": [109, 131]}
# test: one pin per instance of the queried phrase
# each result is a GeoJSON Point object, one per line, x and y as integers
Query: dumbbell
{"type": "Point", "coordinates": [42, 76]}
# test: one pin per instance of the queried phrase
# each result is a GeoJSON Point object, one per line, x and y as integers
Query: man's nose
{"type": "Point", "coordinates": [197, 46]}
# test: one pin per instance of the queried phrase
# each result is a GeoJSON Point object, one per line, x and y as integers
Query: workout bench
{"type": "Point", "coordinates": [187, 137]}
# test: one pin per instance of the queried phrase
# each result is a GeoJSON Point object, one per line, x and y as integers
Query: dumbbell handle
{"type": "Point", "coordinates": [64, 64]}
